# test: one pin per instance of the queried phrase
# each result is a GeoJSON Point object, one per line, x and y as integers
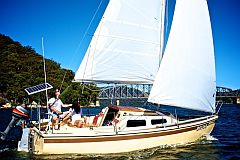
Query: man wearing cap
{"type": "Point", "coordinates": [55, 105]}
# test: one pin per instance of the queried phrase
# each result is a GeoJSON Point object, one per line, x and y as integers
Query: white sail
{"type": "Point", "coordinates": [186, 77]}
{"type": "Point", "coordinates": [126, 45]}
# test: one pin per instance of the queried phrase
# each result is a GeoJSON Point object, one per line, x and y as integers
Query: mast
{"type": "Point", "coordinates": [162, 30]}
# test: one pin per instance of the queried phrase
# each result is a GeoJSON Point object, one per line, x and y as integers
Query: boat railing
{"type": "Point", "coordinates": [219, 106]}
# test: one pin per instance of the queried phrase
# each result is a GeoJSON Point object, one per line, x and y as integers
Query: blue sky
{"type": "Point", "coordinates": [63, 23]}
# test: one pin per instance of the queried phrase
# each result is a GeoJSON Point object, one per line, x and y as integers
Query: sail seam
{"type": "Point", "coordinates": [131, 39]}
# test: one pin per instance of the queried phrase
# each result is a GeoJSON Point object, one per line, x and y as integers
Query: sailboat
{"type": "Point", "coordinates": [127, 48]}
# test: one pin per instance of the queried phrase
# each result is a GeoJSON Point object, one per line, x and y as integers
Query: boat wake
{"type": "Point", "coordinates": [210, 138]}
{"type": "Point", "coordinates": [207, 139]}
{"type": "Point", "coordinates": [7, 145]}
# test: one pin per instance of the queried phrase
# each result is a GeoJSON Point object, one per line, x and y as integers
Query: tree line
{"type": "Point", "coordinates": [21, 67]}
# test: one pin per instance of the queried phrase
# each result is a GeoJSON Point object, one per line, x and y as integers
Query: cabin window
{"type": "Point", "coordinates": [136, 123]}
{"type": "Point", "coordinates": [158, 121]}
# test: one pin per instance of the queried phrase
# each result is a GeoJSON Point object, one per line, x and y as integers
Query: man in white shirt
{"type": "Point", "coordinates": [55, 105]}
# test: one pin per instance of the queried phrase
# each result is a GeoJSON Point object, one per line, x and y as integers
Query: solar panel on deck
{"type": "Point", "coordinates": [38, 88]}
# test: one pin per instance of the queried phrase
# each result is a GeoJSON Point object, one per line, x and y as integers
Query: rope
{"type": "Point", "coordinates": [89, 88]}
{"type": "Point", "coordinates": [63, 79]}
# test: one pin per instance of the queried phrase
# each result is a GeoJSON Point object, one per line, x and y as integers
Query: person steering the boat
{"type": "Point", "coordinates": [55, 105]}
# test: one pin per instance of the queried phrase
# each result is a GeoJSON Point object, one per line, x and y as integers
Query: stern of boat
{"type": "Point", "coordinates": [36, 141]}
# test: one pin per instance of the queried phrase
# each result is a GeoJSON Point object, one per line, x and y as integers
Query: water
{"type": "Point", "coordinates": [223, 144]}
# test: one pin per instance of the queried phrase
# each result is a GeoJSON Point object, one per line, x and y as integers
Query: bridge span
{"type": "Point", "coordinates": [132, 91]}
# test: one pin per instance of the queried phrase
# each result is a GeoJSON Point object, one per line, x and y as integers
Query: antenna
{"type": "Point", "coordinates": [44, 68]}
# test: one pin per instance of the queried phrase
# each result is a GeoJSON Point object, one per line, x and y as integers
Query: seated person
{"type": "Point", "coordinates": [74, 115]}
{"type": "Point", "coordinates": [66, 117]}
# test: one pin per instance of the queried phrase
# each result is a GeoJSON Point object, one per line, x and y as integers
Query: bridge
{"type": "Point", "coordinates": [227, 92]}
{"type": "Point", "coordinates": [125, 91]}
{"type": "Point", "coordinates": [132, 91]}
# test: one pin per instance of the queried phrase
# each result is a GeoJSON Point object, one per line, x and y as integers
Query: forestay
{"type": "Point", "coordinates": [186, 77]}
{"type": "Point", "coordinates": [126, 45]}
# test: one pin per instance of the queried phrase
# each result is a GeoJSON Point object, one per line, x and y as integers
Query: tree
{"type": "Point", "coordinates": [86, 93]}
{"type": "Point", "coordinates": [21, 67]}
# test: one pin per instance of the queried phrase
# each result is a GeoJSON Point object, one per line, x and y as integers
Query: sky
{"type": "Point", "coordinates": [67, 25]}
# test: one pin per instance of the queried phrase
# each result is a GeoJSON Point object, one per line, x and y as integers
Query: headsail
{"type": "Point", "coordinates": [186, 77]}
{"type": "Point", "coordinates": [126, 45]}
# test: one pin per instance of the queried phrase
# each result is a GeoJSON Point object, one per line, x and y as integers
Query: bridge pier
{"type": "Point", "coordinates": [238, 100]}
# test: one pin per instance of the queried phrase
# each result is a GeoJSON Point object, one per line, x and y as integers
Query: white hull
{"type": "Point", "coordinates": [110, 142]}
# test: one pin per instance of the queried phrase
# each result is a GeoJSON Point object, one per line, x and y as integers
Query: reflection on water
{"type": "Point", "coordinates": [201, 150]}
{"type": "Point", "coordinates": [224, 144]}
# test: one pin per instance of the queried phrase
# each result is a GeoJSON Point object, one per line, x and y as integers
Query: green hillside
{"type": "Point", "coordinates": [21, 67]}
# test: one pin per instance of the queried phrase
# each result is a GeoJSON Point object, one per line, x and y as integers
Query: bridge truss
{"type": "Point", "coordinates": [130, 91]}
{"type": "Point", "coordinates": [227, 92]}
{"type": "Point", "coordinates": [125, 91]}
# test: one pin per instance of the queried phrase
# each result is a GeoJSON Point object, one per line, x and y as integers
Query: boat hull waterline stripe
{"type": "Point", "coordinates": [129, 137]}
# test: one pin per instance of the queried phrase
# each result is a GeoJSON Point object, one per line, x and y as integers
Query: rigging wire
{"type": "Point", "coordinates": [84, 35]}
{"type": "Point", "coordinates": [95, 47]}
{"type": "Point", "coordinates": [86, 31]}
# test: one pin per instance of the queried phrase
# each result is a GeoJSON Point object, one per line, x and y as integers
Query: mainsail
{"type": "Point", "coordinates": [186, 77]}
{"type": "Point", "coordinates": [126, 46]}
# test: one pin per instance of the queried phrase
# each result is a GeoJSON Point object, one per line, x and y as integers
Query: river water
{"type": "Point", "coordinates": [223, 144]}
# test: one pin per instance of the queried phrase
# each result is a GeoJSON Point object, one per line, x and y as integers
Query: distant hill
{"type": "Point", "coordinates": [22, 67]}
